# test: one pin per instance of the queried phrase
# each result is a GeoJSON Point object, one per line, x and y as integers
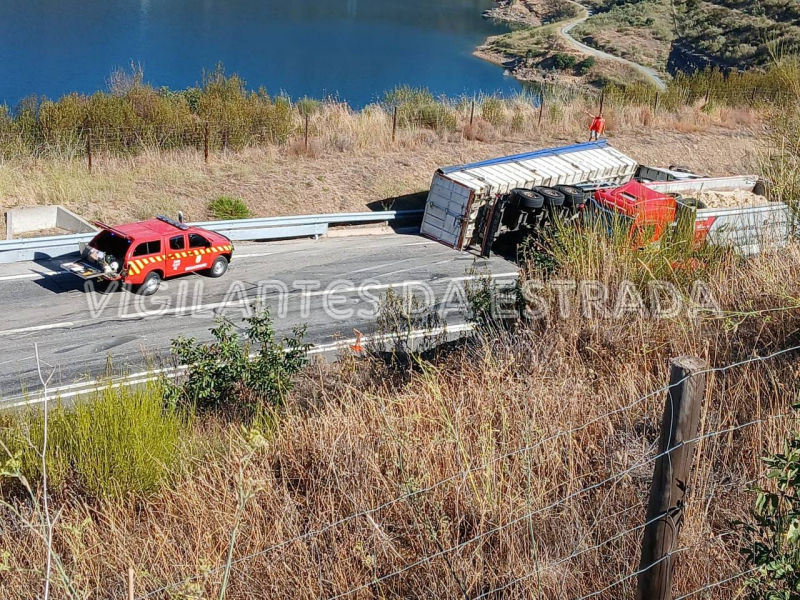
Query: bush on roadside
{"type": "Point", "coordinates": [223, 376]}
{"type": "Point", "coordinates": [417, 107]}
{"type": "Point", "coordinates": [494, 111]}
{"type": "Point", "coordinates": [772, 537]}
{"type": "Point", "coordinates": [115, 444]}
{"type": "Point", "coordinates": [226, 208]}
{"type": "Point", "coordinates": [563, 61]}
{"type": "Point", "coordinates": [586, 65]}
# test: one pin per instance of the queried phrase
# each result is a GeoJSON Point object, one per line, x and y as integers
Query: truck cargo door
{"type": "Point", "coordinates": [445, 212]}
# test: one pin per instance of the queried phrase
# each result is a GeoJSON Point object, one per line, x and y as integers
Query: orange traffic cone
{"type": "Point", "coordinates": [357, 347]}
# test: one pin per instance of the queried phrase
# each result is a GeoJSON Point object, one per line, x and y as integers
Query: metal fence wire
{"type": "Point", "coordinates": [606, 483]}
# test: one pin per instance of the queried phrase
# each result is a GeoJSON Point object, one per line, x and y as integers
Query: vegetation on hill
{"type": "Point", "coordinates": [739, 36]}
{"type": "Point", "coordinates": [640, 31]}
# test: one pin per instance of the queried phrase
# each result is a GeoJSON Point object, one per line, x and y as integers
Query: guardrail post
{"type": "Point", "coordinates": [89, 148]}
{"type": "Point", "coordinates": [687, 385]}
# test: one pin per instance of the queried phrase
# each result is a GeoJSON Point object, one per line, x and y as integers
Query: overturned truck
{"type": "Point", "coordinates": [469, 206]}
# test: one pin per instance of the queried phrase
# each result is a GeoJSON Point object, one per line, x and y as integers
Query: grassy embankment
{"type": "Point", "coordinates": [148, 144]}
{"type": "Point", "coordinates": [172, 495]}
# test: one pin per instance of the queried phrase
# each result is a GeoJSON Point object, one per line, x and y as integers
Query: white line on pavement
{"type": "Point", "coordinates": [86, 387]}
{"type": "Point", "coordinates": [38, 328]}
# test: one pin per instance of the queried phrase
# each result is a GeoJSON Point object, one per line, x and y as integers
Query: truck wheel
{"type": "Point", "coordinates": [218, 268]}
{"type": "Point", "coordinates": [527, 199]}
{"type": "Point", "coordinates": [762, 188]}
{"type": "Point", "coordinates": [551, 195]}
{"type": "Point", "coordinates": [150, 285]}
{"type": "Point", "coordinates": [573, 196]}
{"type": "Point", "coordinates": [694, 203]}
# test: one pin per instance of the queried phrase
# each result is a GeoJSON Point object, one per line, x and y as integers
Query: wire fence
{"type": "Point", "coordinates": [606, 484]}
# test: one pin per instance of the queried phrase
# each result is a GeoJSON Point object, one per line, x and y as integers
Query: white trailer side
{"type": "Point", "coordinates": [459, 193]}
{"type": "Point", "coordinates": [749, 230]}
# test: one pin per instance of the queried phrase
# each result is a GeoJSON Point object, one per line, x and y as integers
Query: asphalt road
{"type": "Point", "coordinates": [312, 282]}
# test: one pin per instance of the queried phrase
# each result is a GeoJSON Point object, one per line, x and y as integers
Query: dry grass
{"type": "Point", "coordinates": [352, 161]}
{"type": "Point", "coordinates": [355, 437]}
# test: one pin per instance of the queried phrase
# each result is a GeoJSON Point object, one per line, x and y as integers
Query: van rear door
{"type": "Point", "coordinates": [445, 217]}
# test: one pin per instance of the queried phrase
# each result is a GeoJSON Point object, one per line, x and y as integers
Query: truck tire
{"type": "Point", "coordinates": [218, 268]}
{"type": "Point", "coordinates": [762, 188]}
{"type": "Point", "coordinates": [694, 203]}
{"type": "Point", "coordinates": [150, 284]}
{"type": "Point", "coordinates": [573, 196]}
{"type": "Point", "coordinates": [552, 196]}
{"type": "Point", "coordinates": [527, 199]}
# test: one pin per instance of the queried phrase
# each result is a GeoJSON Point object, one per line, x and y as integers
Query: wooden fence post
{"type": "Point", "coordinates": [602, 101]}
{"type": "Point", "coordinates": [472, 113]}
{"type": "Point", "coordinates": [687, 385]}
{"type": "Point", "coordinates": [708, 95]}
{"type": "Point", "coordinates": [89, 148]}
{"type": "Point", "coordinates": [205, 141]}
{"type": "Point", "coordinates": [131, 594]}
{"type": "Point", "coordinates": [655, 103]}
{"type": "Point", "coordinates": [394, 124]}
{"type": "Point", "coordinates": [753, 97]}
{"type": "Point", "coordinates": [541, 110]}
{"type": "Point", "coordinates": [306, 134]}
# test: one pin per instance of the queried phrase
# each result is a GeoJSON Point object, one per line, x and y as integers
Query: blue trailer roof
{"type": "Point", "coordinates": [527, 156]}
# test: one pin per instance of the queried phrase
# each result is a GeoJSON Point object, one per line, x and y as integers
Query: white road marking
{"type": "Point", "coordinates": [38, 328]}
{"type": "Point", "coordinates": [87, 387]}
{"type": "Point", "coordinates": [40, 275]}
{"type": "Point", "coordinates": [256, 255]}
{"type": "Point", "coordinates": [365, 287]}
{"type": "Point", "coordinates": [190, 309]}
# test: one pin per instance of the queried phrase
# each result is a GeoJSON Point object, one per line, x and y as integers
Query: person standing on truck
{"type": "Point", "coordinates": [597, 128]}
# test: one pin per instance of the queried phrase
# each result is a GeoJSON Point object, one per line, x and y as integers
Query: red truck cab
{"type": "Point", "coordinates": [649, 212]}
{"type": "Point", "coordinates": [142, 254]}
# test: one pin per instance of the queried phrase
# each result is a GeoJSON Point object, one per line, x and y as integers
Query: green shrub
{"type": "Point", "coordinates": [418, 107]}
{"type": "Point", "coordinates": [772, 537]}
{"type": "Point", "coordinates": [585, 65]}
{"type": "Point", "coordinates": [563, 61]}
{"type": "Point", "coordinates": [116, 443]}
{"type": "Point", "coordinates": [223, 376]}
{"type": "Point", "coordinates": [227, 208]}
{"type": "Point", "coordinates": [308, 106]}
{"type": "Point", "coordinates": [493, 110]}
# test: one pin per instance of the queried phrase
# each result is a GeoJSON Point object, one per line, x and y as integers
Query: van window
{"type": "Point", "coordinates": [198, 241]}
{"type": "Point", "coordinates": [148, 248]}
{"type": "Point", "coordinates": [177, 243]}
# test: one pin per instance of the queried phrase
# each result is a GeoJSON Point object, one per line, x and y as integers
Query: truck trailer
{"type": "Point", "coordinates": [470, 205]}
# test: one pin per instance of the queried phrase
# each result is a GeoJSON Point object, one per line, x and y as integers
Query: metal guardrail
{"type": "Point", "coordinates": [271, 228]}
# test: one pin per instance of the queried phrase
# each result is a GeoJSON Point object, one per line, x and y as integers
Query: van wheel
{"type": "Point", "coordinates": [218, 268]}
{"type": "Point", "coordinates": [150, 285]}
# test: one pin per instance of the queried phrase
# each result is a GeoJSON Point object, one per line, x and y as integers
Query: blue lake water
{"type": "Point", "coordinates": [352, 49]}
